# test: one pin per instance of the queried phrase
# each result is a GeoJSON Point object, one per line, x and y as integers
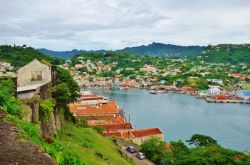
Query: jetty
{"type": "Point", "coordinates": [209, 100]}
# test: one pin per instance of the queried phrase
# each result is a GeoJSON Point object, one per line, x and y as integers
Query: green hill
{"type": "Point", "coordinates": [154, 49]}
{"type": "Point", "coordinates": [159, 49]}
{"type": "Point", "coordinates": [21, 55]}
{"type": "Point", "coordinates": [230, 53]}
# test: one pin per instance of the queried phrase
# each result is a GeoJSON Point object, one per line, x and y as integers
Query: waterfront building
{"type": "Point", "coordinates": [214, 90]}
{"type": "Point", "coordinates": [244, 94]}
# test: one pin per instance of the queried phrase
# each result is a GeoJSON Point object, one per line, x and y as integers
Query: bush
{"type": "Point", "coordinates": [7, 100]}
{"type": "Point", "coordinates": [46, 107]}
{"type": "Point", "coordinates": [99, 129]}
{"type": "Point", "coordinates": [82, 122]}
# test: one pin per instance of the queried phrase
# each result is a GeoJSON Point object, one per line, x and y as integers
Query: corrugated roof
{"type": "Point", "coordinates": [30, 87]}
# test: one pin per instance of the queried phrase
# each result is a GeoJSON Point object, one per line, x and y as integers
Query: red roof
{"type": "Point", "coordinates": [94, 109]}
{"type": "Point", "coordinates": [91, 97]}
{"type": "Point", "coordinates": [146, 132]}
{"type": "Point", "coordinates": [240, 75]}
{"type": "Point", "coordinates": [135, 133]}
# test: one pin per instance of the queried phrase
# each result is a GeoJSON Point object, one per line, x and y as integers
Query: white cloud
{"type": "Point", "coordinates": [113, 24]}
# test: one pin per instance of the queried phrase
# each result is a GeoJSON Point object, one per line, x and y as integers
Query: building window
{"type": "Point", "coordinates": [36, 76]}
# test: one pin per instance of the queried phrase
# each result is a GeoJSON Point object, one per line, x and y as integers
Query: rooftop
{"type": "Point", "coordinates": [94, 109]}
{"type": "Point", "coordinates": [30, 87]}
{"type": "Point", "coordinates": [136, 133]}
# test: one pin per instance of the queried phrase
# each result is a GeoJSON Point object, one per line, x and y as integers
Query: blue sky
{"type": "Point", "coordinates": [114, 24]}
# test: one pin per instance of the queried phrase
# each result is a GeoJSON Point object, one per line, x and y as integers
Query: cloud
{"type": "Point", "coordinates": [114, 24]}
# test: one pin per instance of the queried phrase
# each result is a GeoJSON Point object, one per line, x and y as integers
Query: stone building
{"type": "Point", "coordinates": [33, 77]}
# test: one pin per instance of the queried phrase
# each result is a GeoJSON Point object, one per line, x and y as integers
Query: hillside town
{"type": "Point", "coordinates": [214, 82]}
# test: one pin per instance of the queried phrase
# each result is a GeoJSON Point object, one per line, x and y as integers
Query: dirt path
{"type": "Point", "coordinates": [14, 152]}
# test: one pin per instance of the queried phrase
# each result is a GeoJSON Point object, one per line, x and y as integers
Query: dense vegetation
{"type": "Point", "coordinates": [21, 55]}
{"type": "Point", "coordinates": [204, 151]}
{"type": "Point", "coordinates": [230, 53]}
{"type": "Point", "coordinates": [14, 108]}
{"type": "Point", "coordinates": [159, 49]}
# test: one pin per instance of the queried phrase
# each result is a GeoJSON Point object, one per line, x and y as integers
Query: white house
{"type": "Point", "coordinates": [214, 90]}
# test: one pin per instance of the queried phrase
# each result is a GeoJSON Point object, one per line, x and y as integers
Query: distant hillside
{"type": "Point", "coordinates": [19, 55]}
{"type": "Point", "coordinates": [154, 49]}
{"type": "Point", "coordinates": [67, 54]}
{"type": "Point", "coordinates": [159, 49]}
{"type": "Point", "coordinates": [230, 53]}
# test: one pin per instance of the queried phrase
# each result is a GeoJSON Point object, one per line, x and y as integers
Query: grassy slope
{"type": "Point", "coordinates": [83, 137]}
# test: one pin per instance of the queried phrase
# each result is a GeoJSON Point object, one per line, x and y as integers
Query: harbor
{"type": "Point", "coordinates": [179, 116]}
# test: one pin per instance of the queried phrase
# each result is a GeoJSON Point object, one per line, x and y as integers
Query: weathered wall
{"type": "Point", "coordinates": [48, 127]}
{"type": "Point", "coordinates": [25, 73]}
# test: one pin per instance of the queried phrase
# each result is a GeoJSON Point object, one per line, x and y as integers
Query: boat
{"type": "Point", "coordinates": [153, 92]}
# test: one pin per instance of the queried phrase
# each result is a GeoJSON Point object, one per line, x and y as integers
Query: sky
{"type": "Point", "coordinates": [115, 24]}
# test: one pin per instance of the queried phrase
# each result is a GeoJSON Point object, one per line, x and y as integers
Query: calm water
{"type": "Point", "coordinates": [181, 116]}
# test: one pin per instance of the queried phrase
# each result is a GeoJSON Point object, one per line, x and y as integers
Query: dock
{"type": "Point", "coordinates": [227, 101]}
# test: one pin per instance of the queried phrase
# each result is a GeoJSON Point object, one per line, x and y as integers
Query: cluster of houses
{"type": "Point", "coordinates": [98, 111]}
{"type": "Point", "coordinates": [214, 92]}
{"type": "Point", "coordinates": [6, 69]}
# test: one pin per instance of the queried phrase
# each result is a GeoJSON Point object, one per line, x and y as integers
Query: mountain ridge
{"type": "Point", "coordinates": [153, 49]}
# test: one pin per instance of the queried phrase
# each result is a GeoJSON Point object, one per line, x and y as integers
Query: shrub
{"type": "Point", "coordinates": [99, 129]}
{"type": "Point", "coordinates": [82, 122]}
{"type": "Point", "coordinates": [46, 107]}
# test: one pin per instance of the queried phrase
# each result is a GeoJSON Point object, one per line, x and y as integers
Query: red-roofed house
{"type": "Point", "coordinates": [93, 111]}
{"type": "Point", "coordinates": [239, 75]}
{"type": "Point", "coordinates": [121, 127]}
{"type": "Point", "coordinates": [137, 136]}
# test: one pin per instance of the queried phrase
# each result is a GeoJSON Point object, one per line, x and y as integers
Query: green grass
{"type": "Point", "coordinates": [88, 144]}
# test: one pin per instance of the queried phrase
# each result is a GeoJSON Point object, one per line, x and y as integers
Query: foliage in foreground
{"type": "Point", "coordinates": [206, 152]}
{"type": "Point", "coordinates": [10, 104]}
{"type": "Point", "coordinates": [57, 150]}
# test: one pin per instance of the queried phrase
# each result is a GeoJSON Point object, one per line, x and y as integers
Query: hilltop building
{"type": "Point", "coordinates": [33, 78]}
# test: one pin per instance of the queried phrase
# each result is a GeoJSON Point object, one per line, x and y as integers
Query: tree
{"type": "Point", "coordinates": [154, 149]}
{"type": "Point", "coordinates": [179, 147]}
{"type": "Point", "coordinates": [63, 76]}
{"type": "Point", "coordinates": [201, 140]}
{"type": "Point", "coordinates": [61, 93]}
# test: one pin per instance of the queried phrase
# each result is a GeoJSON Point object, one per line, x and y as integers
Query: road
{"type": "Point", "coordinates": [123, 146]}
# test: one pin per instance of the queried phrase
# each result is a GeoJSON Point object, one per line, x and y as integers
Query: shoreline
{"type": "Point", "coordinates": [197, 96]}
